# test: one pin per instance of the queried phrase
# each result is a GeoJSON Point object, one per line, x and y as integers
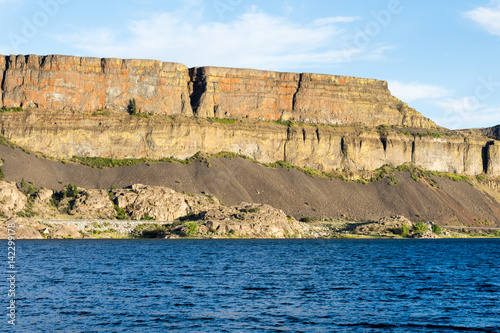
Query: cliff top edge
{"type": "Point", "coordinates": [33, 59]}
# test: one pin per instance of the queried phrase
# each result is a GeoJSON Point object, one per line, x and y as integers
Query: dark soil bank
{"type": "Point", "coordinates": [239, 180]}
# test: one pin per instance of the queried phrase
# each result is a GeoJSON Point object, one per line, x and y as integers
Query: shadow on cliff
{"type": "Point", "coordinates": [239, 180]}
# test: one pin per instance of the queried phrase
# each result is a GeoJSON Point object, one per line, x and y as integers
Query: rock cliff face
{"type": "Point", "coordinates": [493, 159]}
{"type": "Point", "coordinates": [317, 147]}
{"type": "Point", "coordinates": [492, 132]}
{"type": "Point", "coordinates": [11, 199]}
{"type": "Point", "coordinates": [78, 107]}
{"type": "Point", "coordinates": [90, 84]}
{"type": "Point", "coordinates": [159, 203]}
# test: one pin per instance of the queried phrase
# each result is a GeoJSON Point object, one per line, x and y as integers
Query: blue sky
{"type": "Point", "coordinates": [441, 57]}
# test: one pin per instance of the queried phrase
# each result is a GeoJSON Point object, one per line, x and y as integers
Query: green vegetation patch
{"type": "Point", "coordinates": [288, 123]}
{"type": "Point", "coordinates": [192, 229]}
{"type": "Point", "coordinates": [417, 173]}
{"type": "Point", "coordinates": [132, 107]}
{"type": "Point", "coordinates": [121, 214]}
{"type": "Point", "coordinates": [309, 219]}
{"type": "Point", "coordinates": [11, 109]}
{"type": "Point", "coordinates": [101, 162]}
{"type": "Point", "coordinates": [255, 210]}
{"type": "Point", "coordinates": [405, 230]}
{"type": "Point", "coordinates": [150, 231]}
{"type": "Point", "coordinates": [146, 217]}
{"type": "Point", "coordinates": [436, 229]}
{"type": "Point", "coordinates": [420, 227]}
{"type": "Point", "coordinates": [101, 113]}
{"type": "Point", "coordinates": [421, 135]}
{"type": "Point", "coordinates": [30, 191]}
{"type": "Point", "coordinates": [6, 142]}
{"type": "Point", "coordinates": [222, 120]}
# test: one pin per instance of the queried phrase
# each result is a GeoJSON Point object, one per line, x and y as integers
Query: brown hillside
{"type": "Point", "coordinates": [237, 180]}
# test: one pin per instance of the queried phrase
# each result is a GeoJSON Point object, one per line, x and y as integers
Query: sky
{"type": "Point", "coordinates": [440, 57]}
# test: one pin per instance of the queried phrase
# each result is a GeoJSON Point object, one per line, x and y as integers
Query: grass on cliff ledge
{"type": "Point", "coordinates": [101, 162]}
{"type": "Point", "coordinates": [384, 171]}
{"type": "Point", "coordinates": [11, 109]}
{"type": "Point", "coordinates": [417, 173]}
{"type": "Point", "coordinates": [222, 120]}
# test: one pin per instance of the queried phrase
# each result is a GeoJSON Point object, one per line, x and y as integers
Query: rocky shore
{"type": "Point", "coordinates": [141, 148]}
{"type": "Point", "coordinates": [256, 227]}
{"type": "Point", "coordinates": [142, 211]}
{"type": "Point", "coordinates": [137, 211]}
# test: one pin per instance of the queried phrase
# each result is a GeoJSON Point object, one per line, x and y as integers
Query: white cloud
{"type": "Point", "coordinates": [464, 106]}
{"type": "Point", "coordinates": [489, 18]}
{"type": "Point", "coordinates": [466, 112]}
{"type": "Point", "coordinates": [409, 92]}
{"type": "Point", "coordinates": [254, 39]}
{"type": "Point", "coordinates": [477, 119]}
{"type": "Point", "coordinates": [336, 19]}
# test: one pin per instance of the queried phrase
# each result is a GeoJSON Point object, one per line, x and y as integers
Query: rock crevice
{"type": "Point", "coordinates": [486, 155]}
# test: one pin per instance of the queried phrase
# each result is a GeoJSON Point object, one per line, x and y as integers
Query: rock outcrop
{"type": "Point", "coordinates": [78, 107]}
{"type": "Point", "coordinates": [386, 225]}
{"type": "Point", "coordinates": [249, 220]}
{"type": "Point", "coordinates": [491, 132]}
{"type": "Point", "coordinates": [493, 158]}
{"type": "Point", "coordinates": [20, 228]}
{"type": "Point", "coordinates": [140, 202]}
{"type": "Point", "coordinates": [85, 85]}
{"type": "Point", "coordinates": [324, 148]}
{"type": "Point", "coordinates": [159, 203]}
{"type": "Point", "coordinates": [11, 199]}
{"type": "Point", "coordinates": [42, 203]}
{"type": "Point", "coordinates": [312, 98]}
{"type": "Point", "coordinates": [93, 204]}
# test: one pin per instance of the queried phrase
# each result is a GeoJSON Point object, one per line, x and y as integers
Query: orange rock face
{"type": "Point", "coordinates": [88, 84]}
{"type": "Point", "coordinates": [243, 93]}
{"type": "Point", "coordinates": [312, 98]}
{"type": "Point", "coordinates": [341, 100]}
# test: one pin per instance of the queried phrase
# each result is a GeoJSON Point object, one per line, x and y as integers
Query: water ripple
{"type": "Point", "coordinates": [258, 286]}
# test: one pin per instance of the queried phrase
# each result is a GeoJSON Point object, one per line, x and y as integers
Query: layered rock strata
{"type": "Point", "coordinates": [88, 84]}
{"type": "Point", "coordinates": [318, 147]}
{"type": "Point", "coordinates": [78, 107]}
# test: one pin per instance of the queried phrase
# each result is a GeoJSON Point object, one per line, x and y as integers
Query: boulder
{"type": "Point", "coordinates": [249, 220]}
{"type": "Point", "coordinates": [23, 229]}
{"type": "Point", "coordinates": [94, 204]}
{"type": "Point", "coordinates": [160, 203]}
{"type": "Point", "coordinates": [11, 199]}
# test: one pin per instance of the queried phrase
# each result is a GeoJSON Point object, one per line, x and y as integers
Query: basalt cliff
{"type": "Point", "coordinates": [80, 107]}
{"type": "Point", "coordinates": [69, 108]}
{"type": "Point", "coordinates": [87, 84]}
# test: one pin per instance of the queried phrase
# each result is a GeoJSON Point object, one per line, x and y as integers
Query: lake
{"type": "Point", "coordinates": [255, 286]}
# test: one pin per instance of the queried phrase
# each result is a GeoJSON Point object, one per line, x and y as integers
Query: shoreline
{"type": "Point", "coordinates": [103, 229]}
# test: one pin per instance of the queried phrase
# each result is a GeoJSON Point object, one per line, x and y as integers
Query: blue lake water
{"type": "Point", "coordinates": [256, 286]}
